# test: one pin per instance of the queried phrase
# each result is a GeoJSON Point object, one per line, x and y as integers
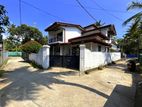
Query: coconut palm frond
{"type": "Point", "coordinates": [134, 17]}
{"type": "Point", "coordinates": [99, 23]}
{"type": "Point", "coordinates": [135, 5]}
{"type": "Point", "coordinates": [134, 27]}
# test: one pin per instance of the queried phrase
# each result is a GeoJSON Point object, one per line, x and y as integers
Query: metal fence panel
{"type": "Point", "coordinates": [64, 61]}
{"type": "Point", "coordinates": [14, 54]}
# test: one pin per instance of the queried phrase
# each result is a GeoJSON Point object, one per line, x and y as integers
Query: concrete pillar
{"type": "Point", "coordinates": [82, 58]}
{"type": "Point", "coordinates": [61, 50]}
{"type": "Point", "coordinates": [45, 56]}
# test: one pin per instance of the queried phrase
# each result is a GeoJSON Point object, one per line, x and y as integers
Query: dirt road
{"type": "Point", "coordinates": [29, 87]}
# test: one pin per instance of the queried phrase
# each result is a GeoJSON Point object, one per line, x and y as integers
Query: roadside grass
{"type": "Point", "coordinates": [1, 68]}
{"type": "Point", "coordinates": [4, 63]}
{"type": "Point", "coordinates": [1, 73]}
{"type": "Point", "coordinates": [35, 65]}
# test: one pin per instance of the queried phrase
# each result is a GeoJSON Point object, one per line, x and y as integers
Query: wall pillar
{"type": "Point", "coordinates": [61, 50]}
{"type": "Point", "coordinates": [82, 58]}
{"type": "Point", "coordinates": [45, 56]}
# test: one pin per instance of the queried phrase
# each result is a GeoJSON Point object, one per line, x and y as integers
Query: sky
{"type": "Point", "coordinates": [43, 13]}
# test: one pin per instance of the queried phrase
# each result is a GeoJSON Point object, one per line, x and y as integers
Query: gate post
{"type": "Point", "coordinates": [82, 58]}
{"type": "Point", "coordinates": [45, 56]}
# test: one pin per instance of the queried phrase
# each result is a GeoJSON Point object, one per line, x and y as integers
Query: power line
{"type": "Point", "coordinates": [20, 12]}
{"type": "Point", "coordinates": [41, 10]}
{"type": "Point", "coordinates": [107, 11]}
{"type": "Point", "coordinates": [116, 11]}
{"type": "Point", "coordinates": [86, 10]}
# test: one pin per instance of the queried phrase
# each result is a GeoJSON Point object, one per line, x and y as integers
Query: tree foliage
{"type": "Point", "coordinates": [132, 39]}
{"type": "Point", "coordinates": [31, 47]}
{"type": "Point", "coordinates": [4, 21]}
{"type": "Point", "coordinates": [43, 40]}
{"type": "Point", "coordinates": [99, 23]}
{"type": "Point", "coordinates": [137, 16]}
{"type": "Point", "coordinates": [21, 34]}
{"type": "Point", "coordinates": [25, 33]}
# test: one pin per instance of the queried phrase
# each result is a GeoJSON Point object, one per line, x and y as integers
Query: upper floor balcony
{"type": "Point", "coordinates": [58, 38]}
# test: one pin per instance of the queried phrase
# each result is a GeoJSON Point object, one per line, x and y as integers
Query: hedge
{"type": "Point", "coordinates": [31, 47]}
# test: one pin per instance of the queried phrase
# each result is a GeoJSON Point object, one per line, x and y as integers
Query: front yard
{"type": "Point", "coordinates": [29, 87]}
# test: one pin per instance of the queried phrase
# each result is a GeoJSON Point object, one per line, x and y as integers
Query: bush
{"type": "Point", "coordinates": [35, 65]}
{"type": "Point", "coordinates": [1, 73]}
{"type": "Point", "coordinates": [31, 47]}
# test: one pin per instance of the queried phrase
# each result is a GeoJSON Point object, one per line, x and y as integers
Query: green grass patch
{"type": "Point", "coordinates": [1, 73]}
{"type": "Point", "coordinates": [1, 68]}
{"type": "Point", "coordinates": [35, 65]}
{"type": "Point", "coordinates": [4, 63]}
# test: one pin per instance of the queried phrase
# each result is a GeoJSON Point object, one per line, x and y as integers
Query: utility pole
{"type": "Point", "coordinates": [20, 14]}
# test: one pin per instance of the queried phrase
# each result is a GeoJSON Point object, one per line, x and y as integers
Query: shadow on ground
{"type": "Point", "coordinates": [121, 95]}
{"type": "Point", "coordinates": [24, 84]}
{"type": "Point", "coordinates": [28, 81]}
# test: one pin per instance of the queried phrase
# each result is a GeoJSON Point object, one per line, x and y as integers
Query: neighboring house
{"type": "Point", "coordinates": [65, 38]}
{"type": "Point", "coordinates": [114, 46]}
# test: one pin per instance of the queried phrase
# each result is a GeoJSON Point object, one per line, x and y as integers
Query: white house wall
{"type": "Point", "coordinates": [96, 59]}
{"type": "Point", "coordinates": [42, 57]}
{"type": "Point", "coordinates": [94, 47]}
{"type": "Point", "coordinates": [71, 32]}
{"type": "Point", "coordinates": [92, 59]}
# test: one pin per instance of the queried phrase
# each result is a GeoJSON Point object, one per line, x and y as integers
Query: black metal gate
{"type": "Point", "coordinates": [64, 61]}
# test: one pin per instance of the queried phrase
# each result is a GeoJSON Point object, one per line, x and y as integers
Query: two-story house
{"type": "Point", "coordinates": [64, 38]}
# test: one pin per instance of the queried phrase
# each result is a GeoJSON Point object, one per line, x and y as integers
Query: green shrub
{"type": "Point", "coordinates": [1, 73]}
{"type": "Point", "coordinates": [35, 65]}
{"type": "Point", "coordinates": [17, 49]}
{"type": "Point", "coordinates": [31, 47]}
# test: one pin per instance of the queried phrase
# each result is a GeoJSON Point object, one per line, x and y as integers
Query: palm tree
{"type": "Point", "coordinates": [134, 31]}
{"type": "Point", "coordinates": [138, 16]}
{"type": "Point", "coordinates": [99, 23]}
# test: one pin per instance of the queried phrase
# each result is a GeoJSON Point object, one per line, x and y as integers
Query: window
{"type": "Point", "coordinates": [60, 36]}
{"type": "Point", "coordinates": [99, 48]}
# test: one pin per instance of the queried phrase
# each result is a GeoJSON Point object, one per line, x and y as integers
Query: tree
{"type": "Point", "coordinates": [31, 47]}
{"type": "Point", "coordinates": [43, 40]}
{"type": "Point", "coordinates": [4, 21]}
{"type": "Point", "coordinates": [12, 43]}
{"type": "Point", "coordinates": [22, 34]}
{"type": "Point", "coordinates": [133, 36]}
{"type": "Point", "coordinates": [99, 23]}
{"type": "Point", "coordinates": [25, 33]}
{"type": "Point", "coordinates": [138, 16]}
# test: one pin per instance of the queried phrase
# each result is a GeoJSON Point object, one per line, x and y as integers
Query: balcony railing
{"type": "Point", "coordinates": [56, 39]}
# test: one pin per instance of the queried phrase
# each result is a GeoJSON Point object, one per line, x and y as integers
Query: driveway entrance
{"type": "Point", "coordinates": [26, 86]}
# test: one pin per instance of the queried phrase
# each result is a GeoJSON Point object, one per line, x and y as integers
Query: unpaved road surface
{"type": "Point", "coordinates": [24, 86]}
